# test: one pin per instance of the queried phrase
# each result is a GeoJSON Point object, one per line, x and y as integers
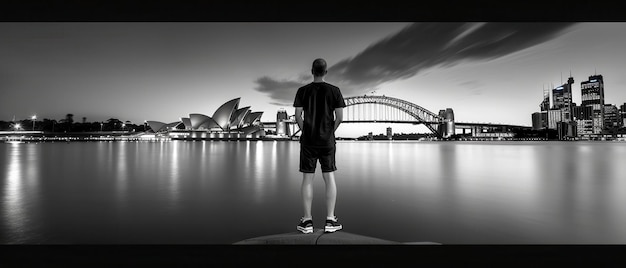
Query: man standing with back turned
{"type": "Point", "coordinates": [322, 104]}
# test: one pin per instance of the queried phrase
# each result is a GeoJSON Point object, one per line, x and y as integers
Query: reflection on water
{"type": "Point", "coordinates": [13, 197]}
{"type": "Point", "coordinates": [187, 192]}
{"type": "Point", "coordinates": [20, 187]}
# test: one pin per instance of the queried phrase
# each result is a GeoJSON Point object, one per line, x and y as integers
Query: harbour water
{"type": "Point", "coordinates": [222, 192]}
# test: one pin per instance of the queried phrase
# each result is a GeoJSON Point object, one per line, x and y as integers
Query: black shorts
{"type": "Point", "coordinates": [309, 156]}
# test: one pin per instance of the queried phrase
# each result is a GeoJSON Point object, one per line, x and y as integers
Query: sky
{"type": "Point", "coordinates": [486, 72]}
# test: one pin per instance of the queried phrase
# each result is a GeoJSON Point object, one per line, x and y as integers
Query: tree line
{"type": "Point", "coordinates": [68, 124]}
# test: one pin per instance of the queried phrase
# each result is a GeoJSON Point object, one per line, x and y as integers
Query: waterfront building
{"type": "Point", "coordinates": [539, 120]}
{"type": "Point", "coordinates": [582, 112]}
{"type": "Point", "coordinates": [562, 99]}
{"type": "Point", "coordinates": [592, 92]}
{"type": "Point", "coordinates": [566, 130]}
{"type": "Point", "coordinates": [227, 122]}
{"type": "Point", "coordinates": [611, 117]}
{"type": "Point", "coordinates": [622, 112]}
{"type": "Point", "coordinates": [389, 133]}
{"type": "Point", "coordinates": [585, 127]}
{"type": "Point", "coordinates": [555, 116]}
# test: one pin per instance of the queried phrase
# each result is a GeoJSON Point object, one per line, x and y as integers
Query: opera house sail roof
{"type": "Point", "coordinates": [223, 114]}
{"type": "Point", "coordinates": [226, 118]}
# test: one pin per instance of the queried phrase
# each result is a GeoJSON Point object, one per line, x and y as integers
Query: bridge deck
{"type": "Point", "coordinates": [457, 124]}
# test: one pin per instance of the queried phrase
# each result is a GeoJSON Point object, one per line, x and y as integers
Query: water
{"type": "Point", "coordinates": [224, 192]}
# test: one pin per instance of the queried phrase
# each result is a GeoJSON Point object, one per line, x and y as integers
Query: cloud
{"type": "Point", "coordinates": [471, 84]}
{"type": "Point", "coordinates": [473, 87]}
{"type": "Point", "coordinates": [421, 46]}
{"type": "Point", "coordinates": [281, 91]}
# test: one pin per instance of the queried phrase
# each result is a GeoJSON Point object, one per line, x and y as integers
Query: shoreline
{"type": "Point", "coordinates": [17, 139]}
{"type": "Point", "coordinates": [40, 136]}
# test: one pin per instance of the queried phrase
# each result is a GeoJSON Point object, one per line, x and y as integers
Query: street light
{"type": "Point", "coordinates": [17, 126]}
{"type": "Point", "coordinates": [101, 124]}
{"type": "Point", "coordinates": [34, 118]}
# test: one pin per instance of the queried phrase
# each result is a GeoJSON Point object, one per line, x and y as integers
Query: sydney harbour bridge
{"type": "Point", "coordinates": [384, 109]}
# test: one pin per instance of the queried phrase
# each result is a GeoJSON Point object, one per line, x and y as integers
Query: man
{"type": "Point", "coordinates": [322, 104]}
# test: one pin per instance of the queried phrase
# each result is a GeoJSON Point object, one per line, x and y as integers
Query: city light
{"type": "Point", "coordinates": [17, 126]}
{"type": "Point", "coordinates": [34, 118]}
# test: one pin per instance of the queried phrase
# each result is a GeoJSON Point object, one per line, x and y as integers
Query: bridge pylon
{"type": "Point", "coordinates": [446, 126]}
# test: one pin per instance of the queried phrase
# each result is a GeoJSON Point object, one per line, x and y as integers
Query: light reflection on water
{"type": "Point", "coordinates": [13, 199]}
{"type": "Point", "coordinates": [223, 192]}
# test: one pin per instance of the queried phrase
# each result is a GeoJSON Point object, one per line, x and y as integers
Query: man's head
{"type": "Point", "coordinates": [319, 67]}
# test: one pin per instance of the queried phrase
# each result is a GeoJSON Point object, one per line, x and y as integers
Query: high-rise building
{"type": "Point", "coordinates": [622, 112]}
{"type": "Point", "coordinates": [555, 116]}
{"type": "Point", "coordinates": [582, 117]}
{"type": "Point", "coordinates": [582, 112]}
{"type": "Point", "coordinates": [562, 99]}
{"type": "Point", "coordinates": [389, 133]}
{"type": "Point", "coordinates": [566, 130]}
{"type": "Point", "coordinates": [592, 92]}
{"type": "Point", "coordinates": [611, 117]}
{"type": "Point", "coordinates": [585, 127]}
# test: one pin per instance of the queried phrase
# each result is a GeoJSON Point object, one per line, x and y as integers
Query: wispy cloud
{"type": "Point", "coordinates": [418, 47]}
{"type": "Point", "coordinates": [282, 91]}
{"type": "Point", "coordinates": [473, 87]}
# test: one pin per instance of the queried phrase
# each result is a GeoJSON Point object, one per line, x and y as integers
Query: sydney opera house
{"type": "Point", "coordinates": [228, 122]}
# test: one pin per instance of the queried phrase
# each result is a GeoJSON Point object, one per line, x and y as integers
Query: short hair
{"type": "Point", "coordinates": [319, 67]}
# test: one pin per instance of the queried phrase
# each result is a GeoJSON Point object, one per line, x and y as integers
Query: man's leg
{"type": "Point", "coordinates": [331, 193]}
{"type": "Point", "coordinates": [307, 193]}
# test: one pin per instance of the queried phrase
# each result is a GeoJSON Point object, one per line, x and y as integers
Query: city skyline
{"type": "Point", "coordinates": [485, 72]}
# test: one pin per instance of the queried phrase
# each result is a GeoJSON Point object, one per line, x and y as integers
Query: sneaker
{"type": "Point", "coordinates": [332, 225]}
{"type": "Point", "coordinates": [306, 227]}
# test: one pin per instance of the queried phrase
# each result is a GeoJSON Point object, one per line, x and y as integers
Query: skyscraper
{"type": "Point", "coordinates": [593, 95]}
{"type": "Point", "coordinates": [555, 116]}
{"type": "Point", "coordinates": [581, 112]}
{"type": "Point", "coordinates": [611, 117]}
{"type": "Point", "coordinates": [622, 112]}
{"type": "Point", "coordinates": [389, 133]}
{"type": "Point", "coordinates": [562, 99]}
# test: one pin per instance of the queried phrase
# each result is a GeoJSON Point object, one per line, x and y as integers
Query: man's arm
{"type": "Point", "coordinates": [299, 118]}
{"type": "Point", "coordinates": [338, 117]}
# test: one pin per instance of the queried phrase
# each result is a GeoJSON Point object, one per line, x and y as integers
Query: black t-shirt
{"type": "Point", "coordinates": [318, 100]}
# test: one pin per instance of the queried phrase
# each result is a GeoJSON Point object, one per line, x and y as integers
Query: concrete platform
{"type": "Point", "coordinates": [318, 237]}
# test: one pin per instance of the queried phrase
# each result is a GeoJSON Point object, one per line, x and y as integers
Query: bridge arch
{"type": "Point", "coordinates": [420, 114]}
